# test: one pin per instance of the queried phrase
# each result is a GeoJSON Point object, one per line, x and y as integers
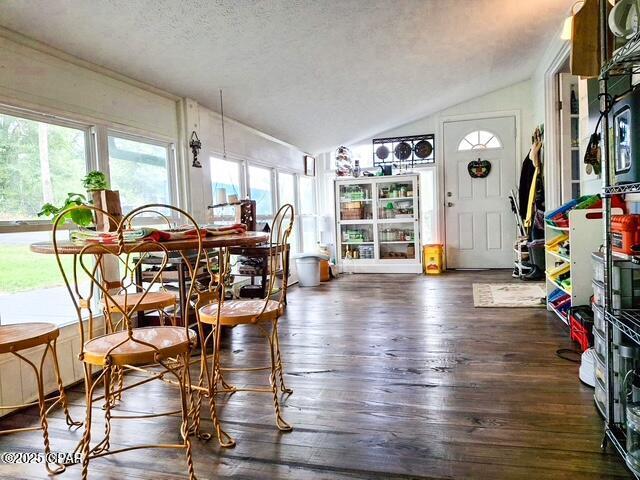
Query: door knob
{"type": "Point", "coordinates": [449, 204]}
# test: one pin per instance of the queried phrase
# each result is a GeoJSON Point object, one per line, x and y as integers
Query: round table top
{"type": "Point", "coordinates": [247, 239]}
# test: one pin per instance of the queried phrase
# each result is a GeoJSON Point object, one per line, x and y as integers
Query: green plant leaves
{"type": "Point", "coordinates": [95, 181]}
{"type": "Point", "coordinates": [83, 217]}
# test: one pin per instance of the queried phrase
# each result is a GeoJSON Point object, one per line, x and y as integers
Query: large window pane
{"type": "Point", "coordinates": [287, 195]}
{"type": "Point", "coordinates": [261, 188]}
{"type": "Point", "coordinates": [225, 174]}
{"type": "Point", "coordinates": [139, 171]}
{"type": "Point", "coordinates": [309, 234]}
{"type": "Point", "coordinates": [286, 189]}
{"type": "Point", "coordinates": [31, 285]}
{"type": "Point", "coordinates": [39, 163]}
{"type": "Point", "coordinates": [427, 206]}
{"type": "Point", "coordinates": [307, 196]}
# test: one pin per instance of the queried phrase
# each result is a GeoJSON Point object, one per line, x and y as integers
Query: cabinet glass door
{"type": "Point", "coordinates": [356, 241]}
{"type": "Point", "coordinates": [397, 240]}
{"type": "Point", "coordinates": [356, 202]}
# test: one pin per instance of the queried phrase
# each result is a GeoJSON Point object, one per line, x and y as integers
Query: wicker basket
{"type": "Point", "coordinates": [352, 211]}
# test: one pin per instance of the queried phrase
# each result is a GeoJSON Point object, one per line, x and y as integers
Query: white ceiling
{"type": "Point", "coordinates": [314, 73]}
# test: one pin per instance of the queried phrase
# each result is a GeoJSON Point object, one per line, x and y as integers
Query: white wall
{"type": "Point", "coordinates": [515, 98]}
{"type": "Point", "coordinates": [36, 77]}
{"type": "Point", "coordinates": [242, 143]}
{"type": "Point", "coordinates": [545, 111]}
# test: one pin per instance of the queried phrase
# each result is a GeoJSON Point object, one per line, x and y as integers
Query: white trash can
{"type": "Point", "coordinates": [308, 266]}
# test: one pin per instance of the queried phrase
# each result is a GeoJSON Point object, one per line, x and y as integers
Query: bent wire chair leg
{"type": "Point", "coordinates": [280, 422]}
{"type": "Point", "coordinates": [283, 387]}
{"type": "Point", "coordinates": [86, 438]}
{"type": "Point", "coordinates": [104, 444]}
{"type": "Point", "coordinates": [185, 393]}
{"type": "Point", "coordinates": [42, 410]}
{"type": "Point", "coordinates": [63, 396]}
{"type": "Point", "coordinates": [224, 438]}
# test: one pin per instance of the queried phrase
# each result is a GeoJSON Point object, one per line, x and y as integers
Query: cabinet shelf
{"type": "Point", "coordinates": [558, 256]}
{"type": "Point", "coordinates": [560, 315]}
{"type": "Point", "coordinates": [584, 237]}
{"type": "Point", "coordinates": [395, 199]}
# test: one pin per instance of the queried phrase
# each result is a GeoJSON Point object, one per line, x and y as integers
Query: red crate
{"type": "Point", "coordinates": [579, 333]}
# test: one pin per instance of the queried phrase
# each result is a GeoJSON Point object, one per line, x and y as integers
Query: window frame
{"type": "Point", "coordinates": [172, 166]}
{"type": "Point", "coordinates": [274, 189]}
{"type": "Point", "coordinates": [18, 226]}
{"type": "Point", "coordinates": [484, 145]}
{"type": "Point", "coordinates": [313, 215]}
{"type": "Point", "coordinates": [242, 187]}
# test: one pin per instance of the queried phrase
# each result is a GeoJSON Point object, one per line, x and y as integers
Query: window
{"type": "Point", "coordinates": [287, 194]}
{"type": "Point", "coordinates": [478, 140]}
{"type": "Point", "coordinates": [286, 189]}
{"type": "Point", "coordinates": [140, 171]}
{"type": "Point", "coordinates": [225, 174]}
{"type": "Point", "coordinates": [261, 190]}
{"type": "Point", "coordinates": [40, 162]}
{"type": "Point", "coordinates": [363, 153]}
{"type": "Point", "coordinates": [308, 214]}
{"type": "Point", "coordinates": [428, 212]}
{"type": "Point", "coordinates": [307, 196]}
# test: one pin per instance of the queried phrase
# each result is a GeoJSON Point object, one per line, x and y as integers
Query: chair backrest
{"type": "Point", "coordinates": [280, 251]}
{"type": "Point", "coordinates": [111, 264]}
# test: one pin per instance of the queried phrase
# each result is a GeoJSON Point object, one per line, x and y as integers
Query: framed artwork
{"type": "Point", "coordinates": [309, 166]}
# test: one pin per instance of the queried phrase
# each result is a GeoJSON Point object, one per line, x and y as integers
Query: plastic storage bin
{"type": "Point", "coordinates": [432, 259]}
{"type": "Point", "coordinates": [308, 266]}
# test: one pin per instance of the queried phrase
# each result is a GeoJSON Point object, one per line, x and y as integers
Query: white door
{"type": "Point", "coordinates": [480, 227]}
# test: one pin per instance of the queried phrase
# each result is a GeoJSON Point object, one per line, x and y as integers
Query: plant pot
{"type": "Point", "coordinates": [109, 201]}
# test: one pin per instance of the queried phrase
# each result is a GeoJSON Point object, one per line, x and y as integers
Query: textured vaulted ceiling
{"type": "Point", "coordinates": [314, 73]}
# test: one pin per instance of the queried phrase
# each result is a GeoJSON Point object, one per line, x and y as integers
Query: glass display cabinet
{"type": "Point", "coordinates": [378, 224]}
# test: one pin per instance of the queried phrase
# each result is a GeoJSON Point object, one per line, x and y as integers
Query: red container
{"type": "Point", "coordinates": [578, 333]}
{"type": "Point", "coordinates": [625, 233]}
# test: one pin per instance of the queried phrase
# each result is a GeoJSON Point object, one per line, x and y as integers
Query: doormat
{"type": "Point", "coordinates": [508, 295]}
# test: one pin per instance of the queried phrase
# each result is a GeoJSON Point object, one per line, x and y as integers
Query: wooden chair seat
{"type": "Point", "coordinates": [26, 335]}
{"type": "Point", "coordinates": [170, 341]}
{"type": "Point", "coordinates": [238, 312]}
{"type": "Point", "coordinates": [151, 301]}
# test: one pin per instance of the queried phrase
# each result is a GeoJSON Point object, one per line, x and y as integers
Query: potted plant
{"type": "Point", "coordinates": [97, 186]}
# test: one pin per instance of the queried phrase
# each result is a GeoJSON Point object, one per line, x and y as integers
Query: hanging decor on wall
{"type": "Point", "coordinates": [195, 144]}
{"type": "Point", "coordinates": [404, 152]}
{"type": "Point", "coordinates": [479, 168]}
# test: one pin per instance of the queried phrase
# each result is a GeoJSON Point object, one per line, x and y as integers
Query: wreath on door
{"type": "Point", "coordinates": [479, 168]}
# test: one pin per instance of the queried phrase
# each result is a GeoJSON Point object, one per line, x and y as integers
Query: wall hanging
{"type": "Point", "coordinates": [195, 144]}
{"type": "Point", "coordinates": [479, 168]}
{"type": "Point", "coordinates": [404, 152]}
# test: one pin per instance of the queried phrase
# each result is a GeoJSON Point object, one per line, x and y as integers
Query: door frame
{"type": "Point", "coordinates": [442, 230]}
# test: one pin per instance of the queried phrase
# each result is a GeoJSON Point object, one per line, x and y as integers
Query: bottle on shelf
{"type": "Point", "coordinates": [574, 102]}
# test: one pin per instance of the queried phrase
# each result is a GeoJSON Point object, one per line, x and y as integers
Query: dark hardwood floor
{"type": "Point", "coordinates": [394, 377]}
